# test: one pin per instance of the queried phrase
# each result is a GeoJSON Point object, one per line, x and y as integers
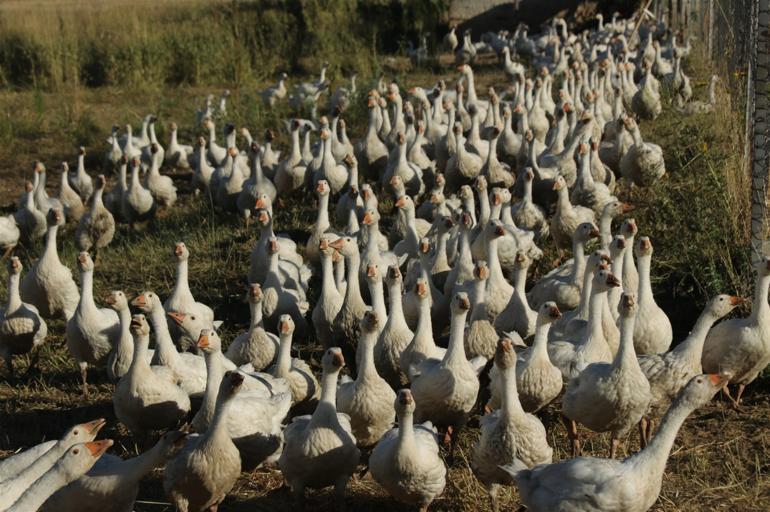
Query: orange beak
{"type": "Point", "coordinates": [176, 317]}
{"type": "Point", "coordinates": [736, 301]}
{"type": "Point", "coordinates": [97, 448]}
{"type": "Point", "coordinates": [139, 301]}
{"type": "Point", "coordinates": [203, 341]}
{"type": "Point", "coordinates": [400, 202]}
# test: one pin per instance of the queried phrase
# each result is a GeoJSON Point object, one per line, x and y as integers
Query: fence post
{"type": "Point", "coordinates": [758, 110]}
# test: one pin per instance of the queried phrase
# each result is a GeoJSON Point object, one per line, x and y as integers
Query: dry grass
{"type": "Point", "coordinates": [695, 218]}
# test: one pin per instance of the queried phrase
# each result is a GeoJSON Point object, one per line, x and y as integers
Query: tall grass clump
{"type": "Point", "coordinates": [194, 42]}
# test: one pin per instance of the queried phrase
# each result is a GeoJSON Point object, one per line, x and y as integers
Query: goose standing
{"type": "Point", "coordinates": [255, 346]}
{"type": "Point", "coordinates": [70, 200]}
{"type": "Point", "coordinates": [668, 373]}
{"type": "Point", "coordinates": [508, 434]}
{"type": "Point", "coordinates": [92, 331]}
{"type": "Point", "coordinates": [740, 347]}
{"type": "Point", "coordinates": [31, 222]}
{"type": "Point", "coordinates": [446, 389]}
{"type": "Point", "coordinates": [138, 204]}
{"type": "Point", "coordinates": [395, 336]}
{"type": "Point", "coordinates": [368, 399]}
{"type": "Point", "coordinates": [22, 329]}
{"type": "Point", "coordinates": [49, 285]}
{"type": "Point", "coordinates": [122, 352]}
{"type": "Point", "coordinates": [81, 181]}
{"type": "Point", "coordinates": [320, 450]}
{"type": "Point", "coordinates": [302, 382]}
{"type": "Point", "coordinates": [609, 396]}
{"type": "Point", "coordinates": [205, 470]}
{"type": "Point", "coordinates": [406, 461]}
{"type": "Point", "coordinates": [346, 324]}
{"type": "Point", "coordinates": [97, 226]}
{"type": "Point", "coordinates": [652, 329]}
{"type": "Point", "coordinates": [177, 155]}
{"type": "Point", "coordinates": [630, 485]}
{"type": "Point", "coordinates": [330, 302]}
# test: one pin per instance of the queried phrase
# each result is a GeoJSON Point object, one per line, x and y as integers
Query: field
{"type": "Point", "coordinates": [697, 218]}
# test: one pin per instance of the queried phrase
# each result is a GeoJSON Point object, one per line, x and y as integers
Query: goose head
{"type": "Point", "coordinates": [460, 303]}
{"type": "Point", "coordinates": [265, 203]}
{"type": "Point", "coordinates": [763, 266]}
{"type": "Point", "coordinates": [181, 252]}
{"type": "Point", "coordinates": [171, 443]}
{"type": "Point", "coordinates": [139, 326]}
{"type": "Point", "coordinates": [373, 272]}
{"type": "Point", "coordinates": [369, 217]}
{"type": "Point", "coordinates": [14, 265]}
{"type": "Point", "coordinates": [255, 149]}
{"type": "Point", "coordinates": [55, 217]}
{"type": "Point", "coordinates": [722, 305]}
{"type": "Point", "coordinates": [370, 321]}
{"type": "Point", "coordinates": [116, 300]}
{"type": "Point", "coordinates": [522, 261]}
{"type": "Point", "coordinates": [615, 208]}
{"type": "Point", "coordinates": [466, 220]}
{"type": "Point", "coordinates": [586, 231]}
{"type": "Point", "coordinates": [495, 229]}
{"type": "Point", "coordinates": [549, 312]}
{"type": "Point", "coordinates": [85, 264]}
{"type": "Point", "coordinates": [628, 305]}
{"type": "Point", "coordinates": [263, 217]}
{"type": "Point", "coordinates": [505, 355]}
{"type": "Point", "coordinates": [81, 457]}
{"type": "Point", "coordinates": [209, 341]}
{"type": "Point", "coordinates": [629, 229]}
{"type": "Point", "coordinates": [101, 182]}
{"type": "Point", "coordinates": [604, 280]}
{"type": "Point", "coordinates": [146, 301]}
{"type": "Point", "coordinates": [559, 183]}
{"type": "Point", "coordinates": [643, 246]}
{"type": "Point", "coordinates": [332, 360]}
{"type": "Point", "coordinates": [285, 325]}
{"type": "Point", "coordinates": [393, 276]}
{"type": "Point", "coordinates": [345, 245]}
{"type": "Point", "coordinates": [617, 246]}
{"type": "Point", "coordinates": [424, 246]}
{"type": "Point", "coordinates": [481, 270]}
{"type": "Point", "coordinates": [322, 188]}
{"type": "Point", "coordinates": [28, 187]}
{"type": "Point", "coordinates": [254, 294]}
{"type": "Point", "coordinates": [404, 202]}
{"type": "Point", "coordinates": [202, 141]}
{"type": "Point", "coordinates": [83, 432]}
{"type": "Point", "coordinates": [481, 184]}
{"type": "Point", "coordinates": [702, 388]}
{"type": "Point", "coordinates": [231, 384]}
{"type": "Point", "coordinates": [366, 191]}
{"type": "Point", "coordinates": [421, 288]}
{"type": "Point", "coordinates": [404, 402]}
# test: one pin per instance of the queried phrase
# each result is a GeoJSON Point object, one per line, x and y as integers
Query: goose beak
{"type": "Point", "coordinates": [97, 448]}
{"type": "Point", "coordinates": [594, 233]}
{"type": "Point", "coordinates": [371, 270]}
{"type": "Point", "coordinates": [736, 301]}
{"type": "Point", "coordinates": [625, 207]}
{"type": "Point", "coordinates": [405, 397]}
{"type": "Point", "coordinates": [337, 244]}
{"type": "Point", "coordinates": [338, 359]}
{"type": "Point", "coordinates": [367, 220]}
{"type": "Point", "coordinates": [465, 304]}
{"type": "Point", "coordinates": [263, 216]}
{"type": "Point", "coordinates": [319, 187]}
{"type": "Point", "coordinates": [556, 185]}
{"type": "Point", "coordinates": [554, 312]}
{"type": "Point", "coordinates": [176, 317]}
{"type": "Point", "coordinates": [719, 380]}
{"type": "Point", "coordinates": [236, 379]}
{"type": "Point", "coordinates": [178, 250]}
{"type": "Point", "coordinates": [109, 299]}
{"type": "Point", "coordinates": [93, 427]}
{"type": "Point", "coordinates": [203, 341]}
{"type": "Point", "coordinates": [400, 202]}
{"type": "Point", "coordinates": [612, 281]}
{"type": "Point", "coordinates": [283, 326]}
{"type": "Point", "coordinates": [139, 301]}
{"type": "Point", "coordinates": [499, 231]}
{"type": "Point", "coordinates": [260, 203]}
{"type": "Point", "coordinates": [505, 345]}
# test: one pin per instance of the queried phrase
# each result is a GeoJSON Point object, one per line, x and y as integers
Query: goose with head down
{"type": "Point", "coordinates": [97, 226]}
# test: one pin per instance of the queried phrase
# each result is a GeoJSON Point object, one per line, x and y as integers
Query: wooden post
{"type": "Point", "coordinates": [758, 124]}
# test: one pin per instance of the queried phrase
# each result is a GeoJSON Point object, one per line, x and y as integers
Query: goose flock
{"type": "Point", "coordinates": [434, 319]}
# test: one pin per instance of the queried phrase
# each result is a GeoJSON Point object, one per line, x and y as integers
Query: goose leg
{"type": "Point", "coordinates": [614, 444]}
{"type": "Point", "coordinates": [726, 391]}
{"type": "Point", "coordinates": [339, 491]}
{"type": "Point", "coordinates": [741, 388]}
{"type": "Point", "coordinates": [493, 489]}
{"type": "Point", "coordinates": [84, 377]}
{"type": "Point", "coordinates": [96, 254]}
{"type": "Point", "coordinates": [9, 366]}
{"type": "Point", "coordinates": [572, 435]}
{"type": "Point", "coordinates": [8, 253]}
{"type": "Point", "coordinates": [35, 360]}
{"type": "Point", "coordinates": [643, 432]}
{"type": "Point", "coordinates": [650, 429]}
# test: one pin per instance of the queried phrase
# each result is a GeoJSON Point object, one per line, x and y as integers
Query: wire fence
{"type": "Point", "coordinates": [734, 37]}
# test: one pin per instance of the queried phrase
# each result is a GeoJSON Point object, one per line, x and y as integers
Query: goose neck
{"type": "Point", "coordinates": [353, 266]}
{"type": "Point", "coordinates": [326, 411]}
{"type": "Point", "coordinates": [510, 406]}
{"type": "Point", "coordinates": [456, 351]}
{"type": "Point", "coordinates": [215, 372]}
{"type": "Point", "coordinates": [328, 283]}
{"type": "Point", "coordinates": [691, 348]}
{"type": "Point", "coordinates": [283, 365]}
{"type": "Point", "coordinates": [645, 287]}
{"type": "Point", "coordinates": [596, 303]}
{"type": "Point", "coordinates": [626, 356]}
{"type": "Point", "coordinates": [165, 353]}
{"type": "Point", "coordinates": [14, 299]}
{"type": "Point", "coordinates": [396, 310]}
{"type": "Point", "coordinates": [139, 361]}
{"type": "Point", "coordinates": [182, 287]}
{"type": "Point", "coordinates": [322, 222]}
{"type": "Point", "coordinates": [563, 204]}
{"type": "Point", "coordinates": [366, 346]}
{"type": "Point", "coordinates": [540, 342]}
{"type": "Point", "coordinates": [406, 440]}
{"type": "Point", "coordinates": [579, 261]}
{"type": "Point", "coordinates": [760, 311]}
{"type": "Point", "coordinates": [217, 432]}
{"type": "Point", "coordinates": [87, 289]}
{"type": "Point", "coordinates": [376, 291]}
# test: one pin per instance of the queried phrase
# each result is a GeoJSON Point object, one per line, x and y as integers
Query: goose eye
{"type": "Point", "coordinates": [699, 380]}
{"type": "Point", "coordinates": [192, 317]}
{"type": "Point", "coordinates": [75, 432]}
{"type": "Point", "coordinates": [76, 451]}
